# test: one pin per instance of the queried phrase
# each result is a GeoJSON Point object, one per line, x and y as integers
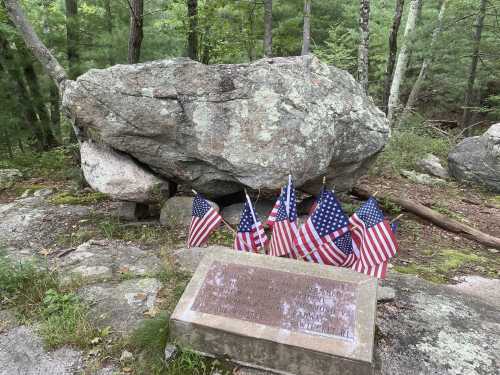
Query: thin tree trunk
{"type": "Point", "coordinates": [72, 38]}
{"type": "Point", "coordinates": [251, 31]}
{"type": "Point", "coordinates": [306, 35]}
{"type": "Point", "coordinates": [20, 145]}
{"type": "Point", "coordinates": [400, 69]}
{"type": "Point", "coordinates": [192, 45]}
{"type": "Point", "coordinates": [135, 31]}
{"type": "Point", "coordinates": [393, 50]}
{"type": "Point", "coordinates": [109, 28]}
{"type": "Point", "coordinates": [268, 28]}
{"type": "Point", "coordinates": [34, 44]}
{"type": "Point", "coordinates": [364, 31]}
{"type": "Point", "coordinates": [415, 91]}
{"type": "Point", "coordinates": [469, 92]}
{"type": "Point", "coordinates": [55, 112]}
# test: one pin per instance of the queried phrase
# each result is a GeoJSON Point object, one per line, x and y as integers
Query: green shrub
{"type": "Point", "coordinates": [78, 199]}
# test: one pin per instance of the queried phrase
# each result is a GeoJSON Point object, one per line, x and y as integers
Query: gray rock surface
{"type": "Point", "coordinates": [232, 213]}
{"type": "Point", "coordinates": [432, 165]}
{"type": "Point", "coordinates": [132, 211]}
{"type": "Point", "coordinates": [43, 192]}
{"type": "Point", "coordinates": [477, 159]}
{"type": "Point", "coordinates": [22, 353]}
{"type": "Point", "coordinates": [177, 211]}
{"type": "Point", "coordinates": [432, 329]}
{"type": "Point", "coordinates": [28, 225]}
{"type": "Point", "coordinates": [385, 294]}
{"type": "Point", "coordinates": [422, 178]}
{"type": "Point", "coordinates": [121, 305]}
{"type": "Point", "coordinates": [8, 177]}
{"type": "Point", "coordinates": [218, 127]}
{"type": "Point", "coordinates": [188, 259]}
{"type": "Point", "coordinates": [118, 175]}
{"type": "Point", "coordinates": [104, 259]}
{"type": "Point", "coordinates": [485, 289]}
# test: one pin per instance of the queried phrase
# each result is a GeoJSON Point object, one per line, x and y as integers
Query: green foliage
{"type": "Point", "coordinates": [339, 48]}
{"type": "Point", "coordinates": [24, 284]}
{"type": "Point", "coordinates": [64, 320]}
{"type": "Point", "coordinates": [406, 146]}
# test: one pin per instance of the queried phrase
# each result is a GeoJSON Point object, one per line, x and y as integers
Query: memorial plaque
{"type": "Point", "coordinates": [283, 315]}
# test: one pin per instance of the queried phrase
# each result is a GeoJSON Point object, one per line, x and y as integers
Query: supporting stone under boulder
{"type": "Point", "coordinates": [222, 127]}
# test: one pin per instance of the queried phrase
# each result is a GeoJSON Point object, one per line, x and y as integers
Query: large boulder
{"type": "Point", "coordinates": [477, 159]}
{"type": "Point", "coordinates": [8, 177]}
{"type": "Point", "coordinates": [219, 127]}
{"type": "Point", "coordinates": [118, 175]}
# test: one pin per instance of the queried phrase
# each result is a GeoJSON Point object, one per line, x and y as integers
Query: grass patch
{"type": "Point", "coordinates": [222, 236]}
{"type": "Point", "coordinates": [148, 343]}
{"type": "Point", "coordinates": [78, 199]}
{"type": "Point", "coordinates": [443, 264]}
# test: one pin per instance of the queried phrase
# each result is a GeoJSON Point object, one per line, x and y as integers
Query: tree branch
{"type": "Point", "coordinates": [36, 46]}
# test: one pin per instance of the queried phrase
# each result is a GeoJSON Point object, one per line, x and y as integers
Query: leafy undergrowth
{"type": "Point", "coordinates": [87, 198]}
{"type": "Point", "coordinates": [36, 295]}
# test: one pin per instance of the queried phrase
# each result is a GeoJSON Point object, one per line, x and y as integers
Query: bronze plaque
{"type": "Point", "coordinates": [294, 302]}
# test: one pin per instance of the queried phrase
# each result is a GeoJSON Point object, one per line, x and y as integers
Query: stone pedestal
{"type": "Point", "coordinates": [283, 315]}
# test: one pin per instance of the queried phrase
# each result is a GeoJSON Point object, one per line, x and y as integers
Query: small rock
{"type": "Point", "coordinates": [177, 211]}
{"type": "Point", "coordinates": [170, 352]}
{"type": "Point", "coordinates": [126, 356]}
{"type": "Point", "coordinates": [385, 294]}
{"type": "Point", "coordinates": [232, 213]}
{"type": "Point", "coordinates": [8, 177]}
{"type": "Point", "coordinates": [26, 194]}
{"type": "Point", "coordinates": [422, 178]}
{"type": "Point", "coordinates": [432, 165]}
{"type": "Point", "coordinates": [188, 259]}
{"type": "Point", "coordinates": [43, 192]}
{"type": "Point", "coordinates": [493, 251]}
{"type": "Point", "coordinates": [132, 211]}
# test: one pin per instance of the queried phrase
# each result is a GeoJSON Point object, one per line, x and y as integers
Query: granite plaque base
{"type": "Point", "coordinates": [283, 315]}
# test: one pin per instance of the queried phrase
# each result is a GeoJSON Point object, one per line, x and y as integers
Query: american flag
{"type": "Point", "coordinates": [250, 231]}
{"type": "Point", "coordinates": [272, 216]}
{"type": "Point", "coordinates": [373, 237]}
{"type": "Point", "coordinates": [284, 224]}
{"type": "Point", "coordinates": [324, 238]}
{"type": "Point", "coordinates": [204, 220]}
{"type": "Point", "coordinates": [316, 202]}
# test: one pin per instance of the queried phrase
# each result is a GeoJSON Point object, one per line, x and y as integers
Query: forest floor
{"type": "Point", "coordinates": [69, 218]}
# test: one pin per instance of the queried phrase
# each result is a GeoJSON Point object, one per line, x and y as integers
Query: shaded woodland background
{"type": "Point", "coordinates": [450, 61]}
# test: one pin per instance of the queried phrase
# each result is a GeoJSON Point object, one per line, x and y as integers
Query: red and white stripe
{"type": "Point", "coordinates": [272, 215]}
{"type": "Point", "coordinates": [313, 248]}
{"type": "Point", "coordinates": [251, 241]}
{"type": "Point", "coordinates": [200, 229]}
{"type": "Point", "coordinates": [282, 239]}
{"type": "Point", "coordinates": [375, 245]}
{"type": "Point", "coordinates": [379, 271]}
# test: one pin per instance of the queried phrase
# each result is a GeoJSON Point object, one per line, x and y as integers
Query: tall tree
{"type": "Point", "coordinates": [415, 91]}
{"type": "Point", "coordinates": [469, 91]}
{"type": "Point", "coordinates": [393, 51]}
{"type": "Point", "coordinates": [364, 33]}
{"type": "Point", "coordinates": [306, 35]}
{"type": "Point", "coordinates": [192, 42]}
{"type": "Point", "coordinates": [108, 19]}
{"type": "Point", "coordinates": [72, 38]}
{"type": "Point", "coordinates": [268, 28]}
{"type": "Point", "coordinates": [402, 62]}
{"type": "Point", "coordinates": [136, 8]}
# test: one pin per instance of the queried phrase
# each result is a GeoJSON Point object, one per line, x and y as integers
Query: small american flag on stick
{"type": "Point", "coordinates": [284, 223]}
{"type": "Point", "coordinates": [373, 237]}
{"type": "Point", "coordinates": [204, 220]}
{"type": "Point", "coordinates": [324, 238]}
{"type": "Point", "coordinates": [251, 235]}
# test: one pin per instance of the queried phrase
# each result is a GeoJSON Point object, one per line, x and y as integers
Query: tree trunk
{"type": "Point", "coordinates": [251, 31]}
{"type": "Point", "coordinates": [192, 42]}
{"type": "Point", "coordinates": [135, 31]}
{"type": "Point", "coordinates": [393, 49]}
{"type": "Point", "coordinates": [109, 29]}
{"type": "Point", "coordinates": [469, 92]}
{"type": "Point", "coordinates": [400, 69]}
{"type": "Point", "coordinates": [306, 37]}
{"type": "Point", "coordinates": [364, 33]}
{"type": "Point", "coordinates": [72, 38]}
{"type": "Point", "coordinates": [268, 28]}
{"type": "Point", "coordinates": [34, 44]}
{"type": "Point", "coordinates": [415, 91]}
{"type": "Point", "coordinates": [55, 112]}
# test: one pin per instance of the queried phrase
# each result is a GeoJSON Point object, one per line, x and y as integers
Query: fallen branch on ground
{"type": "Point", "coordinates": [437, 218]}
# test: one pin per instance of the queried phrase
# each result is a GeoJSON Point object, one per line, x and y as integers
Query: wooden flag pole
{"type": "Point", "coordinates": [222, 219]}
{"type": "Point", "coordinates": [396, 218]}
